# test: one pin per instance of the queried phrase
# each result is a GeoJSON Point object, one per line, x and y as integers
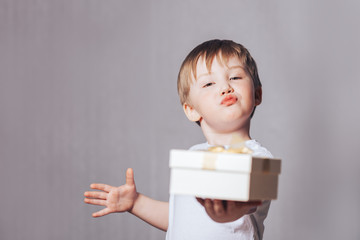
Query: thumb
{"type": "Point", "coordinates": [130, 177]}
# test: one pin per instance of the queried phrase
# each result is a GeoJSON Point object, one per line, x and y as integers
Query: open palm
{"type": "Point", "coordinates": [115, 199]}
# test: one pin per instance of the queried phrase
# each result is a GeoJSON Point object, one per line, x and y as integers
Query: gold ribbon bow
{"type": "Point", "coordinates": [237, 145]}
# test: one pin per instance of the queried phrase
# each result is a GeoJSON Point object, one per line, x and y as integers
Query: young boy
{"type": "Point", "coordinates": [219, 89]}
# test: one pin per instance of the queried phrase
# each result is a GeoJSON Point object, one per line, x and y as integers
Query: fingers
{"type": "Point", "coordinates": [230, 206]}
{"type": "Point", "coordinates": [95, 201]}
{"type": "Point", "coordinates": [209, 207]}
{"type": "Point", "coordinates": [100, 186]}
{"type": "Point", "coordinates": [219, 207]}
{"type": "Point", "coordinates": [252, 210]}
{"type": "Point", "coordinates": [101, 213]}
{"type": "Point", "coordinates": [249, 207]}
{"type": "Point", "coordinates": [252, 206]}
{"type": "Point", "coordinates": [249, 204]}
{"type": "Point", "coordinates": [130, 177]}
{"type": "Point", "coordinates": [255, 203]}
{"type": "Point", "coordinates": [98, 195]}
{"type": "Point", "coordinates": [201, 201]}
{"type": "Point", "coordinates": [213, 207]}
{"type": "Point", "coordinates": [226, 210]}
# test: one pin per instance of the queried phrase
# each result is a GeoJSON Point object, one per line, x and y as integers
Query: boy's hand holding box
{"type": "Point", "coordinates": [224, 174]}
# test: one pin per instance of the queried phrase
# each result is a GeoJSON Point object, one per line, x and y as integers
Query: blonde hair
{"type": "Point", "coordinates": [223, 50]}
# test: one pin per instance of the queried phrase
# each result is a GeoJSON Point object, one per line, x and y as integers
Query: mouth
{"type": "Point", "coordinates": [229, 100]}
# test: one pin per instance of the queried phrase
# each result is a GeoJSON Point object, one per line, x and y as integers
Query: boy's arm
{"type": "Point", "coordinates": [152, 211]}
{"type": "Point", "coordinates": [126, 198]}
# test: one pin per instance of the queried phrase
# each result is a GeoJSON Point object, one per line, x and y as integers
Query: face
{"type": "Point", "coordinates": [223, 98]}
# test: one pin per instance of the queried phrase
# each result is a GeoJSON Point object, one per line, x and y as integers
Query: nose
{"type": "Point", "coordinates": [226, 90]}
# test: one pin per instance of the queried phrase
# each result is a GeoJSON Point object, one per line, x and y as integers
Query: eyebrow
{"type": "Point", "coordinates": [209, 73]}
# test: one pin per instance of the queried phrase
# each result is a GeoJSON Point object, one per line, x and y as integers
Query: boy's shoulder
{"type": "Point", "coordinates": [258, 149]}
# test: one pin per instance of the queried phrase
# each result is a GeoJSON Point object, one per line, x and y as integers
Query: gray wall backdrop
{"type": "Point", "coordinates": [88, 89]}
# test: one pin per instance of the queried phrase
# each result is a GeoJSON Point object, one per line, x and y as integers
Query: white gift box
{"type": "Point", "coordinates": [227, 176]}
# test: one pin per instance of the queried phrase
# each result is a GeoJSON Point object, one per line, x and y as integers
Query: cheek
{"type": "Point", "coordinates": [205, 97]}
{"type": "Point", "coordinates": [246, 91]}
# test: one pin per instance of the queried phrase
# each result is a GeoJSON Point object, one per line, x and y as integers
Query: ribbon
{"type": "Point", "coordinates": [237, 146]}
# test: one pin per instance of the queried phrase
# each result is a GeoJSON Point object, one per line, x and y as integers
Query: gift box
{"type": "Point", "coordinates": [226, 176]}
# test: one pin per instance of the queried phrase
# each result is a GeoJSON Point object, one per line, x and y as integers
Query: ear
{"type": "Point", "coordinates": [258, 96]}
{"type": "Point", "coordinates": [191, 113]}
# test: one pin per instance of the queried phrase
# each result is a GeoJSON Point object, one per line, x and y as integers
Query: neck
{"type": "Point", "coordinates": [221, 137]}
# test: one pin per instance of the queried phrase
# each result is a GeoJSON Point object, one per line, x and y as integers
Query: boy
{"type": "Point", "coordinates": [219, 89]}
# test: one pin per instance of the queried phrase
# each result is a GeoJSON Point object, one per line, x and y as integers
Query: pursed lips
{"type": "Point", "coordinates": [229, 100]}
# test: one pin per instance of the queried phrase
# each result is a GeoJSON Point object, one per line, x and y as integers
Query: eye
{"type": "Point", "coordinates": [235, 78]}
{"type": "Point", "coordinates": [208, 84]}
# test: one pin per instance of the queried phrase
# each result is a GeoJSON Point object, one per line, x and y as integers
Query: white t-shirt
{"type": "Point", "coordinates": [189, 221]}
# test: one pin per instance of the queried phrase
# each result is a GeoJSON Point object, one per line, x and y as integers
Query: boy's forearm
{"type": "Point", "coordinates": [151, 211]}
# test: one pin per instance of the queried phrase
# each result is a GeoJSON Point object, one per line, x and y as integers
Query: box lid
{"type": "Point", "coordinates": [233, 162]}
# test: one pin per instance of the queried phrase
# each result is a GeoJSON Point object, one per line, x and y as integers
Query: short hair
{"type": "Point", "coordinates": [222, 49]}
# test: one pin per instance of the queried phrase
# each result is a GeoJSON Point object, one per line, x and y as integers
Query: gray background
{"type": "Point", "coordinates": [88, 88]}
